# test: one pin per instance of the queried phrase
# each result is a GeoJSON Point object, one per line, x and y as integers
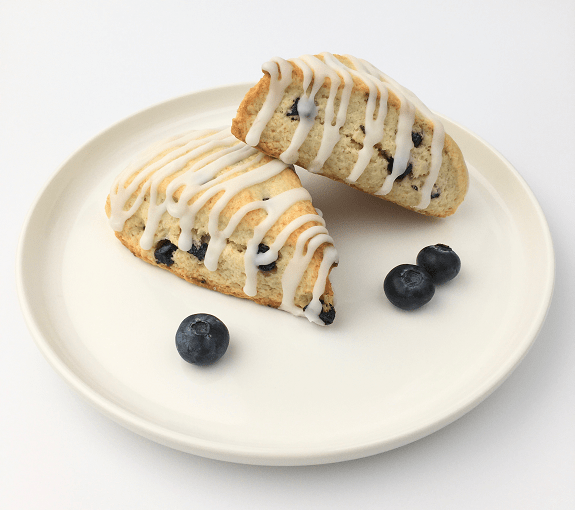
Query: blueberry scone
{"type": "Point", "coordinates": [220, 214]}
{"type": "Point", "coordinates": [341, 117]}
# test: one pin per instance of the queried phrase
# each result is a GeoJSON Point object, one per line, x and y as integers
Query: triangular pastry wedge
{"type": "Point", "coordinates": [341, 117]}
{"type": "Point", "coordinates": [222, 215]}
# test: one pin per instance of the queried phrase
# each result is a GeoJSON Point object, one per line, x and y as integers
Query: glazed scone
{"type": "Point", "coordinates": [224, 216]}
{"type": "Point", "coordinates": [341, 117]}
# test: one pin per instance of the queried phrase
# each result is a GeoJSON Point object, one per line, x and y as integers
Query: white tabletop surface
{"type": "Point", "coordinates": [503, 69]}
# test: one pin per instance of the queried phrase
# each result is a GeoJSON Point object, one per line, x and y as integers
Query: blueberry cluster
{"type": "Point", "coordinates": [410, 286]}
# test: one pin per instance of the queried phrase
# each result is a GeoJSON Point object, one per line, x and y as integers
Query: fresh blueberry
{"type": "Point", "coordinates": [199, 250]}
{"type": "Point", "coordinates": [164, 252]}
{"type": "Point", "coordinates": [408, 286]}
{"type": "Point", "coordinates": [262, 248]}
{"type": "Point", "coordinates": [440, 261]}
{"type": "Point", "coordinates": [202, 339]}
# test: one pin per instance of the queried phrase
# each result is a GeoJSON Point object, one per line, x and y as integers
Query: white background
{"type": "Point", "coordinates": [503, 69]}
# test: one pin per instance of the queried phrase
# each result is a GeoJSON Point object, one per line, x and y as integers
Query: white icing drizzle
{"type": "Point", "coordinates": [307, 111]}
{"type": "Point", "coordinates": [210, 163]}
{"type": "Point", "coordinates": [315, 71]}
{"type": "Point", "coordinates": [373, 127]}
{"type": "Point", "coordinates": [298, 264]}
{"type": "Point", "coordinates": [437, 141]}
{"type": "Point", "coordinates": [330, 128]}
{"type": "Point", "coordinates": [280, 75]}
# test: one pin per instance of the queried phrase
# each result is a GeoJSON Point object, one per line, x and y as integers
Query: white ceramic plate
{"type": "Point", "coordinates": [287, 391]}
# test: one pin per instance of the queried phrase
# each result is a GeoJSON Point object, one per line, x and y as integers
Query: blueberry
{"type": "Point", "coordinates": [406, 172]}
{"type": "Point", "coordinates": [408, 286]}
{"type": "Point", "coordinates": [386, 155]}
{"type": "Point", "coordinates": [440, 261]}
{"type": "Point", "coordinates": [390, 160]}
{"type": "Point", "coordinates": [262, 248]}
{"type": "Point", "coordinates": [327, 316]}
{"type": "Point", "coordinates": [416, 138]}
{"type": "Point", "coordinates": [435, 192]}
{"type": "Point", "coordinates": [292, 112]}
{"type": "Point", "coordinates": [164, 252]}
{"type": "Point", "coordinates": [202, 339]}
{"type": "Point", "coordinates": [199, 250]}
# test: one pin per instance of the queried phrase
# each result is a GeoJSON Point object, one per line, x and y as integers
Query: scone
{"type": "Point", "coordinates": [341, 117]}
{"type": "Point", "coordinates": [224, 216]}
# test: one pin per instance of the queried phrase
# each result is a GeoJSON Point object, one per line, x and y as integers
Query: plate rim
{"type": "Point", "coordinates": [265, 455]}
